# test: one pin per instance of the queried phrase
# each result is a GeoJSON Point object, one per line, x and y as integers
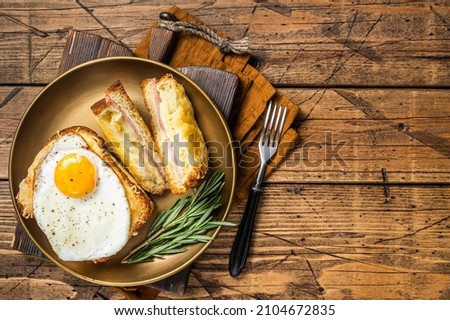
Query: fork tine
{"type": "Point", "coordinates": [281, 125]}
{"type": "Point", "coordinates": [266, 120]}
{"type": "Point", "coordinates": [268, 112]}
{"type": "Point", "coordinates": [272, 118]}
{"type": "Point", "coordinates": [271, 125]}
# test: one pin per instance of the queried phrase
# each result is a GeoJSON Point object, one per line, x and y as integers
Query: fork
{"type": "Point", "coordinates": [269, 141]}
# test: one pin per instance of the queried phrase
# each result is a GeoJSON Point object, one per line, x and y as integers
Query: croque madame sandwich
{"type": "Point", "coordinates": [178, 138]}
{"type": "Point", "coordinates": [85, 202]}
{"type": "Point", "coordinates": [129, 138]}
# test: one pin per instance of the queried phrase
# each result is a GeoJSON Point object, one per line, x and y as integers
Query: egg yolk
{"type": "Point", "coordinates": [75, 176]}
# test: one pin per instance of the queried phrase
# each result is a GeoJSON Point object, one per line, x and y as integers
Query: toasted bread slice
{"type": "Point", "coordinates": [139, 204]}
{"type": "Point", "coordinates": [178, 138]}
{"type": "Point", "coordinates": [129, 138]}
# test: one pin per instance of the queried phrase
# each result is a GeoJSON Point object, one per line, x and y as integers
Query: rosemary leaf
{"type": "Point", "coordinates": [214, 224]}
{"type": "Point", "coordinates": [167, 216]}
{"type": "Point", "coordinates": [173, 251]}
{"type": "Point", "coordinates": [201, 238]}
{"type": "Point", "coordinates": [185, 223]}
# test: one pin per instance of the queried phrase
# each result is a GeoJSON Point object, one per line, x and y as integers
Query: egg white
{"type": "Point", "coordinates": [87, 228]}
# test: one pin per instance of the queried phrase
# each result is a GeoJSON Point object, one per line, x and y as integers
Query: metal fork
{"type": "Point", "coordinates": [268, 145]}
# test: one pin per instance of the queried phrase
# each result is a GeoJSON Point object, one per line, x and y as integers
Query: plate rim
{"type": "Point", "coordinates": [204, 247]}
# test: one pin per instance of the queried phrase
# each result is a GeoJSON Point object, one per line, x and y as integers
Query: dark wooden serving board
{"type": "Point", "coordinates": [220, 85]}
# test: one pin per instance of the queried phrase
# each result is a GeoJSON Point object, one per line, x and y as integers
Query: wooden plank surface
{"type": "Point", "coordinates": [334, 242]}
{"type": "Point", "coordinates": [359, 210]}
{"type": "Point", "coordinates": [348, 135]}
{"type": "Point", "coordinates": [300, 43]}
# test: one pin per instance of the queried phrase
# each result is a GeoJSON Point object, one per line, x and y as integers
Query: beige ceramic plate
{"type": "Point", "coordinates": [65, 102]}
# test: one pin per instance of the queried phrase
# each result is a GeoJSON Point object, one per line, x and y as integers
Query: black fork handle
{"type": "Point", "coordinates": [241, 245]}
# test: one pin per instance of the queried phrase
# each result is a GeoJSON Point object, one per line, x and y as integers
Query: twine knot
{"type": "Point", "coordinates": [225, 45]}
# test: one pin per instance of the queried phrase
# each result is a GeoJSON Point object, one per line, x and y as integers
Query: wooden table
{"type": "Point", "coordinates": [359, 210]}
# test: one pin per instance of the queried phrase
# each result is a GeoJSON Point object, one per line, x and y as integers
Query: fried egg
{"type": "Point", "coordinates": [79, 202]}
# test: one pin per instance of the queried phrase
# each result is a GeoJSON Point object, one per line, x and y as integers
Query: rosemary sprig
{"type": "Point", "coordinates": [186, 222]}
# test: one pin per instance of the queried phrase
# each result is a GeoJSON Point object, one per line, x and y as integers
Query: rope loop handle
{"type": "Point", "coordinates": [169, 22]}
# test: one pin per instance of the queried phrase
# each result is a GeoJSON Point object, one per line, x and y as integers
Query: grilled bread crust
{"type": "Point", "coordinates": [129, 138]}
{"type": "Point", "coordinates": [172, 123]}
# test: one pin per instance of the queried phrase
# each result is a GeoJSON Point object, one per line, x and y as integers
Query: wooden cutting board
{"type": "Point", "coordinates": [220, 85]}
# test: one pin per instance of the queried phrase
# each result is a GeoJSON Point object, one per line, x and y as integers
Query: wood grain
{"type": "Point", "coordinates": [301, 43]}
{"type": "Point", "coordinates": [341, 140]}
{"type": "Point", "coordinates": [330, 242]}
